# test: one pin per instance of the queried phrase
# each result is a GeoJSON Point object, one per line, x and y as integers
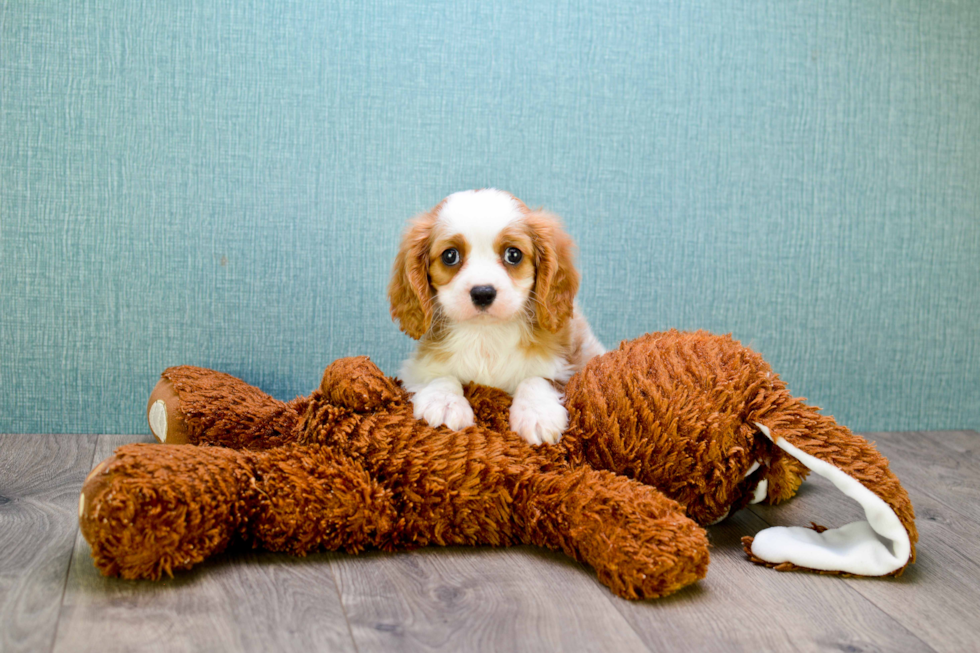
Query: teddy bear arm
{"type": "Point", "coordinates": [357, 383]}
{"type": "Point", "coordinates": [193, 405]}
{"type": "Point", "coordinates": [640, 543]}
{"type": "Point", "coordinates": [477, 487]}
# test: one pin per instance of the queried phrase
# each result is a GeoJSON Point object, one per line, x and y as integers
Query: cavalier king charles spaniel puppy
{"type": "Point", "coordinates": [487, 286]}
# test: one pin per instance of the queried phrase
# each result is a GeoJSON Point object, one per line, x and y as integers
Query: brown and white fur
{"type": "Point", "coordinates": [487, 314]}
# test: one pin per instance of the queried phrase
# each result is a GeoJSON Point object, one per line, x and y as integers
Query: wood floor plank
{"type": "Point", "coordinates": [743, 607]}
{"type": "Point", "coordinates": [945, 465]}
{"type": "Point", "coordinates": [937, 598]}
{"type": "Point", "coordinates": [40, 477]}
{"type": "Point", "coordinates": [480, 599]}
{"type": "Point", "coordinates": [240, 601]}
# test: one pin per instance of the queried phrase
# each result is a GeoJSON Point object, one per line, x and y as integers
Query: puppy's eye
{"type": "Point", "coordinates": [450, 257]}
{"type": "Point", "coordinates": [513, 255]}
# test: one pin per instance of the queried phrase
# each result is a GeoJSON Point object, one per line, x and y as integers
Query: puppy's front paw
{"type": "Point", "coordinates": [438, 405]}
{"type": "Point", "coordinates": [538, 421]}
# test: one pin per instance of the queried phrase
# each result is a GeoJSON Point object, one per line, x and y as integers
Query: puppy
{"type": "Point", "coordinates": [487, 286]}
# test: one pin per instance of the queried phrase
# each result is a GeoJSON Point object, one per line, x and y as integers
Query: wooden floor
{"type": "Point", "coordinates": [521, 599]}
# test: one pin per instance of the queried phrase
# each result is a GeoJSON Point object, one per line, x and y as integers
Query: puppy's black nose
{"type": "Point", "coordinates": [483, 296]}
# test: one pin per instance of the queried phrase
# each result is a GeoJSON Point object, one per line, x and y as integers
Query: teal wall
{"type": "Point", "coordinates": [223, 183]}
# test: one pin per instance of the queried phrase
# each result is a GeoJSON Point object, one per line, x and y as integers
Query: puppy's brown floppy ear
{"type": "Point", "coordinates": [410, 294]}
{"type": "Point", "coordinates": [556, 279]}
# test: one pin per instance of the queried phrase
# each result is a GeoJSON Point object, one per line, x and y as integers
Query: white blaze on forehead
{"type": "Point", "coordinates": [479, 215]}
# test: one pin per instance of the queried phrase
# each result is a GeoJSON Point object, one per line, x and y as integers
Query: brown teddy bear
{"type": "Point", "coordinates": [670, 432]}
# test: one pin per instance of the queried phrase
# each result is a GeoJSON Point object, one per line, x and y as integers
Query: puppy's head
{"type": "Point", "coordinates": [483, 256]}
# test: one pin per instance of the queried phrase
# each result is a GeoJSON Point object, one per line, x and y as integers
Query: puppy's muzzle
{"type": "Point", "coordinates": [483, 296]}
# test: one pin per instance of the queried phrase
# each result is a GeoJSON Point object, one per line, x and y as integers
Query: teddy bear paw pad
{"type": "Point", "coordinates": [158, 420]}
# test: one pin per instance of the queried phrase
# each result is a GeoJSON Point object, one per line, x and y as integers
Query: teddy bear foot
{"type": "Point", "coordinates": [138, 528]}
{"type": "Point", "coordinates": [166, 423]}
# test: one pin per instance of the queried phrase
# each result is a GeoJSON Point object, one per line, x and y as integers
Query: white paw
{"type": "Point", "coordinates": [439, 405]}
{"type": "Point", "coordinates": [537, 414]}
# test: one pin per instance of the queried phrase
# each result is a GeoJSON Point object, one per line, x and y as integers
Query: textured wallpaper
{"type": "Point", "coordinates": [223, 183]}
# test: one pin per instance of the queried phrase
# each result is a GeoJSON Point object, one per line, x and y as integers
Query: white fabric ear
{"type": "Point", "coordinates": [875, 547]}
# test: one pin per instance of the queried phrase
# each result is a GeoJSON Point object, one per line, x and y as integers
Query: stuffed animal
{"type": "Point", "coordinates": [671, 432]}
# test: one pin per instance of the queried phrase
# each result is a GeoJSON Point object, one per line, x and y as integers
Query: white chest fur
{"type": "Point", "coordinates": [490, 354]}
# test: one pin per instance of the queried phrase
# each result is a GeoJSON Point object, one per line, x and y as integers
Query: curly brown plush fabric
{"type": "Point", "coordinates": [662, 437]}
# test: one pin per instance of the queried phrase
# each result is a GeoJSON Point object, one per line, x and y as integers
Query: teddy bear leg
{"type": "Point", "coordinates": [309, 497]}
{"type": "Point", "coordinates": [640, 543]}
{"type": "Point", "coordinates": [193, 405]}
{"type": "Point", "coordinates": [149, 510]}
